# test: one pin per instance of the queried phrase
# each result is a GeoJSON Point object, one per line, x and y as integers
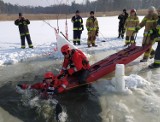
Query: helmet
{"type": "Point", "coordinates": [65, 49]}
{"type": "Point", "coordinates": [48, 75]}
{"type": "Point", "coordinates": [152, 8]}
{"type": "Point", "coordinates": [92, 12]}
{"type": "Point", "coordinates": [77, 11]}
{"type": "Point", "coordinates": [124, 10]}
{"type": "Point", "coordinates": [133, 10]}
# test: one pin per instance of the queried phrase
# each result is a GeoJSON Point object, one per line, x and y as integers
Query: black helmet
{"type": "Point", "coordinates": [20, 15]}
{"type": "Point", "coordinates": [92, 12]}
{"type": "Point", "coordinates": [124, 10]}
{"type": "Point", "coordinates": [77, 11]}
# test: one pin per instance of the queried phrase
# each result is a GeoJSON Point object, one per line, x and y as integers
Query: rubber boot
{"type": "Point", "coordinates": [122, 36]}
{"type": "Point", "coordinates": [94, 45]}
{"type": "Point", "coordinates": [74, 42]}
{"type": "Point", "coordinates": [119, 35]}
{"type": "Point", "coordinates": [154, 65]}
{"type": "Point", "coordinates": [31, 46]}
{"type": "Point", "coordinates": [79, 43]}
{"type": "Point", "coordinates": [89, 46]}
{"type": "Point", "coordinates": [144, 60]}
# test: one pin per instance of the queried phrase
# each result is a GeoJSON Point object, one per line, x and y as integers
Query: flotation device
{"type": "Point", "coordinates": [107, 65]}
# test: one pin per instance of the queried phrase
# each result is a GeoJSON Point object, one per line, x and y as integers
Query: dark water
{"type": "Point", "coordinates": [81, 105]}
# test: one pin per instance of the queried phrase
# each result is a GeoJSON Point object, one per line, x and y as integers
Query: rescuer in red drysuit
{"type": "Point", "coordinates": [77, 62]}
{"type": "Point", "coordinates": [51, 84]}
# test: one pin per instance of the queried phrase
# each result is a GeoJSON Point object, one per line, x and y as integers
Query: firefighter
{"type": "Point", "coordinates": [77, 28]}
{"type": "Point", "coordinates": [51, 84]}
{"type": "Point", "coordinates": [75, 63]}
{"type": "Point", "coordinates": [130, 24]}
{"type": "Point", "coordinates": [156, 63]}
{"type": "Point", "coordinates": [23, 23]}
{"type": "Point", "coordinates": [149, 22]}
{"type": "Point", "coordinates": [93, 29]}
{"type": "Point", "coordinates": [122, 19]}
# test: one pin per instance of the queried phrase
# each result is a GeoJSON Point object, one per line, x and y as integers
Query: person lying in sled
{"type": "Point", "coordinates": [51, 84]}
{"type": "Point", "coordinates": [75, 63]}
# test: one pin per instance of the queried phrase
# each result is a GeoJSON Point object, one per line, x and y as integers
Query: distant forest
{"type": "Point", "coordinates": [99, 6]}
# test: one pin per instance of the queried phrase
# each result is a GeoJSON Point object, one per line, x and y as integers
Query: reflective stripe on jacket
{"type": "Point", "coordinates": [92, 24]}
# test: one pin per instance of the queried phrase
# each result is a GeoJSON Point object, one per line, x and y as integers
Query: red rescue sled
{"type": "Point", "coordinates": [107, 65]}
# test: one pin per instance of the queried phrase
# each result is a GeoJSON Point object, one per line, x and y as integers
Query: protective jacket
{"type": "Point", "coordinates": [76, 62]}
{"type": "Point", "coordinates": [150, 22]}
{"type": "Point", "coordinates": [92, 24]}
{"type": "Point", "coordinates": [130, 24]}
{"type": "Point", "coordinates": [122, 18]}
{"type": "Point", "coordinates": [58, 85]}
{"type": "Point", "coordinates": [23, 26]}
{"type": "Point", "coordinates": [77, 23]}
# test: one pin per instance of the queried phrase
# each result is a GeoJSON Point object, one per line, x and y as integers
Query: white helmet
{"type": "Point", "coordinates": [152, 8]}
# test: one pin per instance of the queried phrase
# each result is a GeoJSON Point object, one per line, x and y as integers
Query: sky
{"type": "Point", "coordinates": [41, 2]}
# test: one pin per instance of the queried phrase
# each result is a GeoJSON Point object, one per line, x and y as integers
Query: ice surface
{"type": "Point", "coordinates": [44, 39]}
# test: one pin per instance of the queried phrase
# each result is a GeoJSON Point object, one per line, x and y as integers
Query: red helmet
{"type": "Point", "coordinates": [133, 10]}
{"type": "Point", "coordinates": [48, 75]}
{"type": "Point", "coordinates": [65, 49]}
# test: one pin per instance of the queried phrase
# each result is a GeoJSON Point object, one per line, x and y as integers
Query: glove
{"type": "Point", "coordinates": [137, 29]}
{"type": "Point", "coordinates": [24, 86]}
{"type": "Point", "coordinates": [70, 71]}
{"type": "Point", "coordinates": [150, 32]}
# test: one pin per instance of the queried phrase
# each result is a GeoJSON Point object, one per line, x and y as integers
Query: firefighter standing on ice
{"type": "Point", "coordinates": [150, 22]}
{"type": "Point", "coordinates": [77, 62]}
{"type": "Point", "coordinates": [22, 23]}
{"type": "Point", "coordinates": [93, 29]}
{"type": "Point", "coordinates": [131, 22]}
{"type": "Point", "coordinates": [156, 63]}
{"type": "Point", "coordinates": [77, 28]}
{"type": "Point", "coordinates": [122, 19]}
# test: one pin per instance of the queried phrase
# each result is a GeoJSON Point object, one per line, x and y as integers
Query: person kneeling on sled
{"type": "Point", "coordinates": [77, 62]}
{"type": "Point", "coordinates": [51, 84]}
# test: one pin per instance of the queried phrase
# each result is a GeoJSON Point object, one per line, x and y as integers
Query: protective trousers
{"type": "Point", "coordinates": [27, 36]}
{"type": "Point", "coordinates": [157, 53]}
{"type": "Point", "coordinates": [91, 38]}
{"type": "Point", "coordinates": [76, 36]}
{"type": "Point", "coordinates": [121, 30]}
{"type": "Point", "coordinates": [150, 52]}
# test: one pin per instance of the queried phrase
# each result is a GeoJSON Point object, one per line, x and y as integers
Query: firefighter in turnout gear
{"type": "Point", "coordinates": [22, 23]}
{"type": "Point", "coordinates": [131, 22]}
{"type": "Point", "coordinates": [122, 19]}
{"type": "Point", "coordinates": [93, 29]}
{"type": "Point", "coordinates": [156, 63]}
{"type": "Point", "coordinates": [75, 63]}
{"type": "Point", "coordinates": [150, 23]}
{"type": "Point", "coordinates": [77, 28]}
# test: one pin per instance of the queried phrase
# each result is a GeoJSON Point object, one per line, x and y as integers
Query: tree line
{"type": "Point", "coordinates": [99, 6]}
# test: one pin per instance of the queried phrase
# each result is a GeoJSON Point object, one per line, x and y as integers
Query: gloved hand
{"type": "Point", "coordinates": [150, 32]}
{"type": "Point", "coordinates": [97, 32]}
{"type": "Point", "coordinates": [70, 71]}
{"type": "Point", "coordinates": [24, 86]}
{"type": "Point", "coordinates": [137, 29]}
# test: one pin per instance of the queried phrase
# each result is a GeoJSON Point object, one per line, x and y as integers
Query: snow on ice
{"type": "Point", "coordinates": [44, 39]}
